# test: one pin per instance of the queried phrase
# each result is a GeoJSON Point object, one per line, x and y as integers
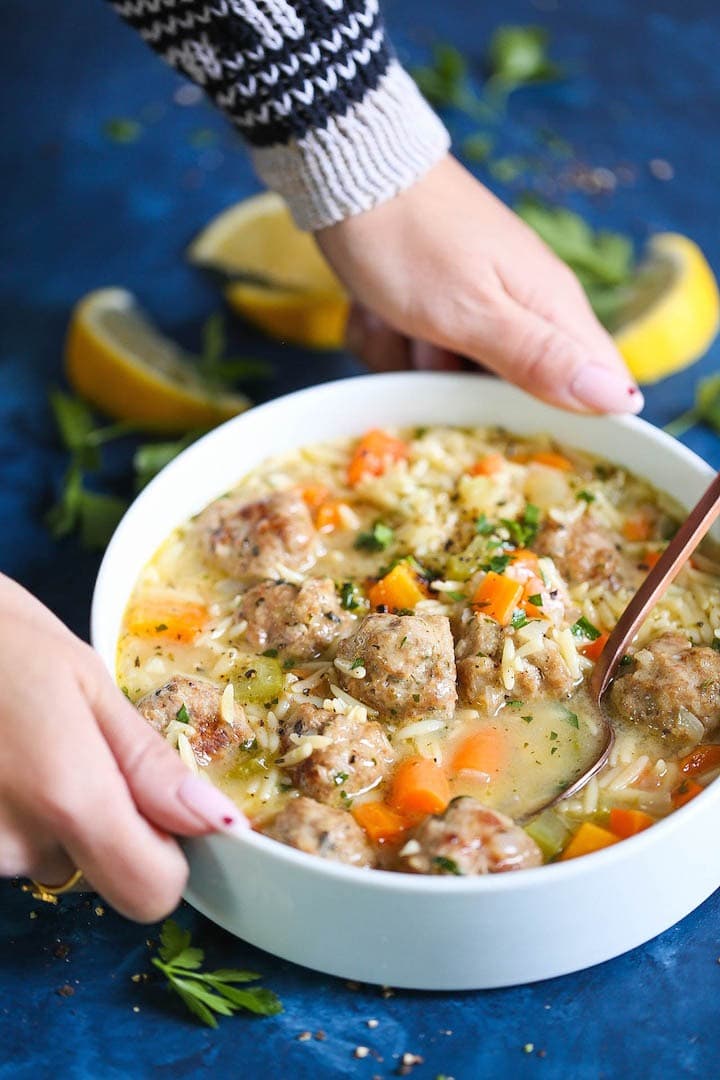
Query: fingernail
{"type": "Point", "coordinates": [209, 804]}
{"type": "Point", "coordinates": [603, 390]}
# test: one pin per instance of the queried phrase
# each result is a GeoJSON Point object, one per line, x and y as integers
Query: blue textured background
{"type": "Point", "coordinates": [82, 211]}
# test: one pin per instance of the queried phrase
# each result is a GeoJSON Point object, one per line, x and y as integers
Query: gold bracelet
{"type": "Point", "coordinates": [49, 893]}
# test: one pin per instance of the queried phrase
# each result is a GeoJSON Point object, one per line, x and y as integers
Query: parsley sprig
{"type": "Point", "coordinates": [206, 993]}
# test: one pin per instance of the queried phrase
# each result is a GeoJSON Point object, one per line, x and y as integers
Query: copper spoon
{"type": "Point", "coordinates": [666, 569]}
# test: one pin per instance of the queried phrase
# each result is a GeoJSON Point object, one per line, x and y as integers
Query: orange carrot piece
{"type": "Point", "coordinates": [589, 838]}
{"type": "Point", "coordinates": [552, 459]}
{"type": "Point", "coordinates": [374, 454]}
{"type": "Point", "coordinates": [593, 648]}
{"type": "Point", "coordinates": [651, 558]}
{"type": "Point", "coordinates": [329, 515]}
{"type": "Point", "coordinates": [488, 465]}
{"type": "Point", "coordinates": [314, 495]}
{"type": "Point", "coordinates": [626, 823]}
{"type": "Point", "coordinates": [172, 619]}
{"type": "Point", "coordinates": [418, 787]}
{"type": "Point", "coordinates": [701, 760]}
{"type": "Point", "coordinates": [637, 527]}
{"type": "Point", "coordinates": [497, 596]}
{"type": "Point", "coordinates": [526, 557]}
{"type": "Point", "coordinates": [381, 823]}
{"type": "Point", "coordinates": [399, 589]}
{"type": "Point", "coordinates": [686, 791]}
{"type": "Point", "coordinates": [484, 752]}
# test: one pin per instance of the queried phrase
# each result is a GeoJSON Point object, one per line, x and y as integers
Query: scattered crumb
{"type": "Point", "coordinates": [408, 1062]}
{"type": "Point", "coordinates": [99, 910]}
{"type": "Point", "coordinates": [447, 1031]}
{"type": "Point", "coordinates": [387, 991]}
{"type": "Point", "coordinates": [136, 1008]}
{"type": "Point", "coordinates": [141, 977]}
{"type": "Point", "coordinates": [550, 1006]}
{"type": "Point", "coordinates": [65, 991]}
{"type": "Point", "coordinates": [33, 915]}
{"type": "Point", "coordinates": [304, 1036]}
{"type": "Point", "coordinates": [529, 1047]}
{"type": "Point", "coordinates": [661, 169]}
{"type": "Point", "coordinates": [61, 951]}
{"type": "Point", "coordinates": [374, 1023]}
{"type": "Point", "coordinates": [361, 1051]}
{"type": "Point", "coordinates": [320, 1036]}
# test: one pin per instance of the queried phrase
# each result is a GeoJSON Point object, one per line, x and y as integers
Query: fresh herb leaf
{"type": "Point", "coordinates": [477, 147]}
{"type": "Point", "coordinates": [497, 563]}
{"type": "Point", "coordinates": [150, 458]}
{"type": "Point", "coordinates": [553, 736]}
{"type": "Point", "coordinates": [715, 644]}
{"type": "Point", "coordinates": [340, 778]}
{"type": "Point", "coordinates": [358, 661]}
{"type": "Point", "coordinates": [571, 718]}
{"type": "Point", "coordinates": [350, 597]}
{"type": "Point", "coordinates": [182, 715]}
{"type": "Point", "coordinates": [94, 514]}
{"type": "Point", "coordinates": [215, 367]}
{"type": "Point", "coordinates": [518, 55]}
{"type": "Point", "coordinates": [586, 496]}
{"type": "Point", "coordinates": [121, 129]}
{"type": "Point", "coordinates": [483, 526]}
{"type": "Point", "coordinates": [583, 628]}
{"type": "Point", "coordinates": [705, 410]}
{"type": "Point", "coordinates": [270, 653]}
{"type": "Point", "coordinates": [445, 82]}
{"type": "Point", "coordinates": [447, 866]}
{"type": "Point", "coordinates": [208, 993]}
{"type": "Point", "coordinates": [456, 596]}
{"type": "Point", "coordinates": [527, 719]}
{"type": "Point", "coordinates": [536, 599]}
{"type": "Point", "coordinates": [379, 538]}
{"type": "Point", "coordinates": [519, 619]}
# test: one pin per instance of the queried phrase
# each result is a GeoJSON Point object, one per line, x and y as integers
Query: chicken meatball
{"type": "Point", "coordinates": [196, 702]}
{"type": "Point", "coordinates": [672, 687]}
{"type": "Point", "coordinates": [468, 839]}
{"type": "Point", "coordinates": [298, 621]}
{"type": "Point", "coordinates": [321, 830]}
{"type": "Point", "coordinates": [355, 759]}
{"type": "Point", "coordinates": [256, 540]}
{"type": "Point", "coordinates": [409, 665]}
{"type": "Point", "coordinates": [583, 551]}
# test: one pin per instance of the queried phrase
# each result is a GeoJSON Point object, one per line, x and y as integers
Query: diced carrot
{"type": "Point", "coordinates": [526, 557]}
{"type": "Point", "coordinates": [593, 648]}
{"type": "Point", "coordinates": [686, 791]}
{"type": "Point", "coordinates": [488, 465]}
{"type": "Point", "coordinates": [626, 823]}
{"type": "Point", "coordinates": [172, 619]}
{"type": "Point", "coordinates": [329, 515]}
{"type": "Point", "coordinates": [552, 459]}
{"type": "Point", "coordinates": [497, 596]}
{"type": "Point", "coordinates": [399, 589]}
{"type": "Point", "coordinates": [637, 527]}
{"type": "Point", "coordinates": [588, 838]}
{"type": "Point", "coordinates": [381, 823]}
{"type": "Point", "coordinates": [484, 752]}
{"type": "Point", "coordinates": [419, 786]}
{"type": "Point", "coordinates": [314, 495]}
{"type": "Point", "coordinates": [374, 454]}
{"type": "Point", "coordinates": [651, 558]}
{"type": "Point", "coordinates": [701, 760]}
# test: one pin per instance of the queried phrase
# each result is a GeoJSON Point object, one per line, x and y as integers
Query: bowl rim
{"type": "Point", "coordinates": [392, 881]}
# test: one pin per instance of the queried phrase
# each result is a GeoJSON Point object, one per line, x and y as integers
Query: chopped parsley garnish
{"type": "Point", "coordinates": [514, 703]}
{"type": "Point", "coordinates": [379, 538]}
{"type": "Point", "coordinates": [553, 736]}
{"type": "Point", "coordinates": [160, 627]}
{"type": "Point", "coordinates": [519, 619]}
{"type": "Point", "coordinates": [340, 778]}
{"type": "Point", "coordinates": [206, 993]}
{"type": "Point", "coordinates": [347, 800]}
{"type": "Point", "coordinates": [271, 653]}
{"type": "Point", "coordinates": [536, 599]}
{"type": "Point", "coordinates": [457, 596]}
{"type": "Point", "coordinates": [484, 527]}
{"type": "Point", "coordinates": [571, 718]}
{"type": "Point", "coordinates": [350, 598]}
{"type": "Point", "coordinates": [182, 715]}
{"type": "Point", "coordinates": [357, 662]}
{"type": "Point", "coordinates": [583, 628]}
{"type": "Point", "coordinates": [497, 563]}
{"type": "Point", "coordinates": [586, 496]}
{"type": "Point", "coordinates": [447, 866]}
{"type": "Point", "coordinates": [527, 719]}
{"type": "Point", "coordinates": [627, 659]}
{"type": "Point", "coordinates": [715, 644]}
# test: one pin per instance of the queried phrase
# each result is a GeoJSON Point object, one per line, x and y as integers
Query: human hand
{"type": "Point", "coordinates": [84, 780]}
{"type": "Point", "coordinates": [447, 263]}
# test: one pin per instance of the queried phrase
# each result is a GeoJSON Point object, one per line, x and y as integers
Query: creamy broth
{"type": "Point", "coordinates": [529, 549]}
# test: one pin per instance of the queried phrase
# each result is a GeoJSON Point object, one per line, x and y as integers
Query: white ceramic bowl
{"type": "Point", "coordinates": [432, 933]}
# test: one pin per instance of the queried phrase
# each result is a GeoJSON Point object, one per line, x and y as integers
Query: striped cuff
{"type": "Point", "coordinates": [379, 147]}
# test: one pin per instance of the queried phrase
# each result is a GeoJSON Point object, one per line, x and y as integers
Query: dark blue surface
{"type": "Point", "coordinates": [83, 211]}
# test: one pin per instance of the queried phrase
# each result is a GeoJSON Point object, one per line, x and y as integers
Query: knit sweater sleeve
{"type": "Point", "coordinates": [334, 123]}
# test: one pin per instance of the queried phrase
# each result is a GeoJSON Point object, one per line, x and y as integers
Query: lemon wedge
{"type": "Point", "coordinates": [117, 360]}
{"type": "Point", "coordinates": [673, 315]}
{"type": "Point", "coordinates": [282, 283]}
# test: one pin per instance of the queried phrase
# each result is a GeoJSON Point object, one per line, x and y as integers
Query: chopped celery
{"type": "Point", "coordinates": [462, 566]}
{"type": "Point", "coordinates": [257, 679]}
{"type": "Point", "coordinates": [549, 832]}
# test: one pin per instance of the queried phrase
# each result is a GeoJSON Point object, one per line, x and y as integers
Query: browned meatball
{"type": "Point", "coordinates": [197, 703]}
{"type": "Point", "coordinates": [321, 830]}
{"type": "Point", "coordinates": [298, 621]}
{"type": "Point", "coordinates": [409, 664]}
{"type": "Point", "coordinates": [356, 760]}
{"type": "Point", "coordinates": [468, 839]}
{"type": "Point", "coordinates": [583, 551]}
{"type": "Point", "coordinates": [260, 539]}
{"type": "Point", "coordinates": [479, 653]}
{"type": "Point", "coordinates": [668, 679]}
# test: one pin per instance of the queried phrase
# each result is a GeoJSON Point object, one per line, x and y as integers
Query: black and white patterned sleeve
{"type": "Point", "coordinates": [334, 123]}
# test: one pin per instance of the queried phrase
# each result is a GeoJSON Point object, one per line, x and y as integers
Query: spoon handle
{"type": "Point", "coordinates": [669, 564]}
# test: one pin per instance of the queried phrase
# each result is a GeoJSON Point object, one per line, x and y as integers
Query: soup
{"type": "Point", "coordinates": [379, 648]}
